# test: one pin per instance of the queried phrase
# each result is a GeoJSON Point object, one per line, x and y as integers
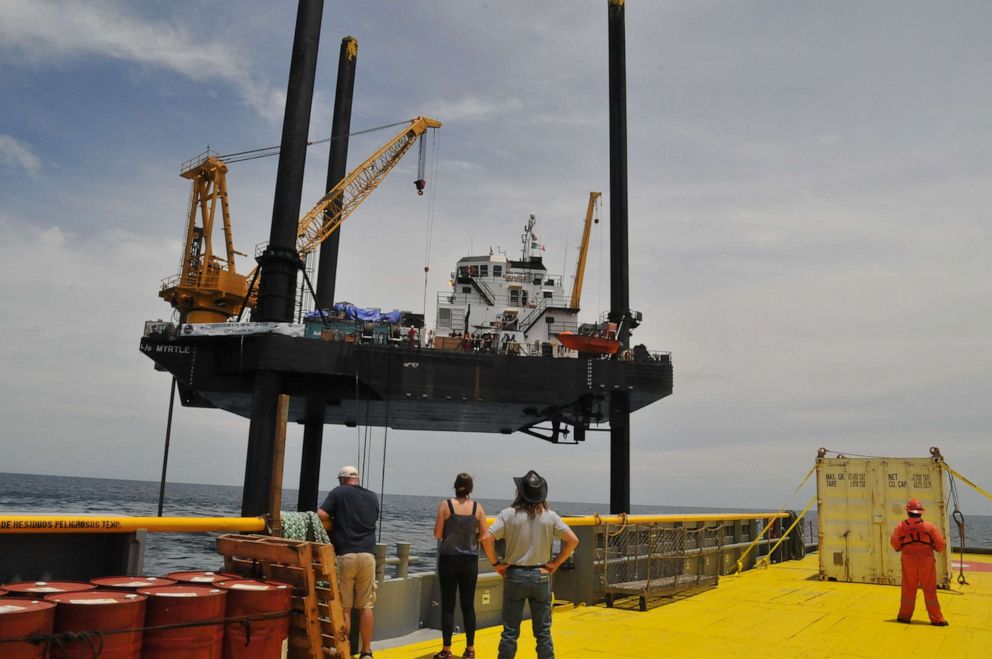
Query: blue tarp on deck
{"type": "Point", "coordinates": [359, 313]}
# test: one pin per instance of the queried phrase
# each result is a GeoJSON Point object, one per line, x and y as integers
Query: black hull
{"type": "Point", "coordinates": [405, 387]}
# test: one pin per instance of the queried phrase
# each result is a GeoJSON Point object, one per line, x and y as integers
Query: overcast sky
{"type": "Point", "coordinates": [809, 219]}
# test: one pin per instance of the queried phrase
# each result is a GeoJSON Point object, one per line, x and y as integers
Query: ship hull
{"type": "Point", "coordinates": [406, 387]}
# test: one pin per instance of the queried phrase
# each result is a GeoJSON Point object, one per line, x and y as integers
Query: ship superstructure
{"type": "Point", "coordinates": [501, 300]}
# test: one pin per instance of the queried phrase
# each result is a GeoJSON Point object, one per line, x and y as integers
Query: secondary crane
{"type": "Point", "coordinates": [580, 267]}
{"type": "Point", "coordinates": [220, 293]}
{"type": "Point", "coordinates": [208, 288]}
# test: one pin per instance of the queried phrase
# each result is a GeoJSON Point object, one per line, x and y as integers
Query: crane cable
{"type": "Point", "coordinates": [431, 208]}
{"type": "Point", "coordinates": [264, 152]}
{"type": "Point", "coordinates": [958, 517]}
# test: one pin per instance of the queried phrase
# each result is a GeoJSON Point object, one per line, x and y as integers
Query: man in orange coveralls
{"type": "Point", "coordinates": [917, 541]}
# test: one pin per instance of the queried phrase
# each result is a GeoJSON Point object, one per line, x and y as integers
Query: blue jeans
{"type": "Point", "coordinates": [534, 588]}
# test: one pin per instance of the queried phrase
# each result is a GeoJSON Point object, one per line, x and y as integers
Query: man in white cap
{"type": "Point", "coordinates": [529, 528]}
{"type": "Point", "coordinates": [353, 512]}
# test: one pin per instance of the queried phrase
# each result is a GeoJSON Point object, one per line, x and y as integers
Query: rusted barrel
{"type": "Point", "coordinates": [39, 589]}
{"type": "Point", "coordinates": [23, 618]}
{"type": "Point", "coordinates": [183, 606]}
{"type": "Point", "coordinates": [131, 584]}
{"type": "Point", "coordinates": [200, 577]}
{"type": "Point", "coordinates": [101, 612]}
{"type": "Point", "coordinates": [262, 638]}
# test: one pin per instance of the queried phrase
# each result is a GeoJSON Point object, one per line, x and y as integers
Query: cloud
{"type": "Point", "coordinates": [14, 153]}
{"type": "Point", "coordinates": [41, 32]}
{"type": "Point", "coordinates": [473, 108]}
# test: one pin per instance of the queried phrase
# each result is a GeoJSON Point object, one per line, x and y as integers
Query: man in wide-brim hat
{"type": "Point", "coordinates": [529, 528]}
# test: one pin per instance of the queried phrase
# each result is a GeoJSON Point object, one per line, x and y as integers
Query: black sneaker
{"type": "Point", "coordinates": [443, 654]}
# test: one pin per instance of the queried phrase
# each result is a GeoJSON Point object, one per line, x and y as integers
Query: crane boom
{"type": "Point", "coordinates": [580, 267]}
{"type": "Point", "coordinates": [317, 225]}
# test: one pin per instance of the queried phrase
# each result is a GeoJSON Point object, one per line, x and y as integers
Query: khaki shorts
{"type": "Point", "coordinates": [356, 573]}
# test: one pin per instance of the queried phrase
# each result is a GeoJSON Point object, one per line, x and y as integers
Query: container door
{"type": "Point", "coordinates": [922, 478]}
{"type": "Point", "coordinates": [849, 539]}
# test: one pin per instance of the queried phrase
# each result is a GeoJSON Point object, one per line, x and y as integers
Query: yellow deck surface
{"type": "Point", "coordinates": [781, 611]}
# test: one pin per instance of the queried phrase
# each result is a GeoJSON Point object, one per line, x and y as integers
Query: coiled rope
{"type": "Point", "coordinates": [305, 525]}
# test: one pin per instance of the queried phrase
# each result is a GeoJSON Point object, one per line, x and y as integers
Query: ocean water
{"type": "Point", "coordinates": [405, 518]}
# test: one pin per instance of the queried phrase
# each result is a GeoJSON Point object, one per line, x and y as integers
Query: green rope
{"type": "Point", "coordinates": [303, 526]}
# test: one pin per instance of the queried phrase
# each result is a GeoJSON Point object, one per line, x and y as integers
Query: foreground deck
{"type": "Point", "coordinates": [782, 611]}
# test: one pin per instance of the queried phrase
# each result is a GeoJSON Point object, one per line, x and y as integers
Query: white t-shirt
{"type": "Point", "coordinates": [528, 541]}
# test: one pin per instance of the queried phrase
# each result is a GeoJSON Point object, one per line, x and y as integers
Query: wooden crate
{"type": "Point", "coordinates": [316, 621]}
{"type": "Point", "coordinates": [449, 343]}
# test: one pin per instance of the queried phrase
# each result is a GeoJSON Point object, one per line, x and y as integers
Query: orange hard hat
{"type": "Point", "coordinates": [914, 506]}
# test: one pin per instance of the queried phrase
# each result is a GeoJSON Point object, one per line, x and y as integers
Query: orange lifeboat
{"type": "Point", "coordinates": [597, 345]}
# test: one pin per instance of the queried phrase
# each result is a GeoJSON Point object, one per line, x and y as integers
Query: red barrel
{"type": "Point", "coordinates": [178, 605]}
{"type": "Point", "coordinates": [131, 584]}
{"type": "Point", "coordinates": [39, 589]}
{"type": "Point", "coordinates": [104, 611]}
{"type": "Point", "coordinates": [265, 638]}
{"type": "Point", "coordinates": [21, 618]}
{"type": "Point", "coordinates": [201, 577]}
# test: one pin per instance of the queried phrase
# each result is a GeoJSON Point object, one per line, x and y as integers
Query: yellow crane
{"type": "Point", "coordinates": [214, 292]}
{"type": "Point", "coordinates": [208, 288]}
{"type": "Point", "coordinates": [326, 217]}
{"type": "Point", "coordinates": [580, 266]}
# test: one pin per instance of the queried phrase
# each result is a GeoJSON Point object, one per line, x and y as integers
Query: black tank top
{"type": "Point", "coordinates": [461, 533]}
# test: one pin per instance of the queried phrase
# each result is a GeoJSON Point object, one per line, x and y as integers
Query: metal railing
{"type": "Point", "coordinates": [196, 161]}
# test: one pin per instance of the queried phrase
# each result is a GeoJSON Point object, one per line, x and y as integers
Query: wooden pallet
{"type": "Point", "coordinates": [316, 623]}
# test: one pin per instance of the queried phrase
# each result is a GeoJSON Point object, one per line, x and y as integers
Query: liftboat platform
{"type": "Point", "coordinates": [408, 387]}
{"type": "Point", "coordinates": [781, 611]}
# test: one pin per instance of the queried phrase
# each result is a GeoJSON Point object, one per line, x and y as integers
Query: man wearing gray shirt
{"type": "Point", "coordinates": [529, 528]}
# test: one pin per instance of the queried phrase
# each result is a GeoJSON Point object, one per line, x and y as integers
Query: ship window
{"type": "Point", "coordinates": [523, 298]}
{"type": "Point", "coordinates": [466, 289]}
{"type": "Point", "coordinates": [497, 271]}
{"type": "Point", "coordinates": [444, 317]}
{"type": "Point", "coordinates": [462, 271]}
{"type": "Point", "coordinates": [515, 297]}
{"type": "Point", "coordinates": [483, 270]}
{"type": "Point", "coordinates": [548, 294]}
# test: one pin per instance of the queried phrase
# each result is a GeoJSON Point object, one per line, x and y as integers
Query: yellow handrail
{"type": "Point", "coordinates": [124, 524]}
{"type": "Point", "coordinates": [597, 520]}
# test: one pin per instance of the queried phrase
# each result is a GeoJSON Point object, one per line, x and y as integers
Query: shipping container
{"type": "Point", "coordinates": [859, 503]}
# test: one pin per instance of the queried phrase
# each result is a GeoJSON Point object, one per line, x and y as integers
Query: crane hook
{"type": "Point", "coordinates": [420, 183]}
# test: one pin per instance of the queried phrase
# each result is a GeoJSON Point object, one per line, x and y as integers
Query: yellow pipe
{"type": "Point", "coordinates": [597, 520]}
{"type": "Point", "coordinates": [122, 524]}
